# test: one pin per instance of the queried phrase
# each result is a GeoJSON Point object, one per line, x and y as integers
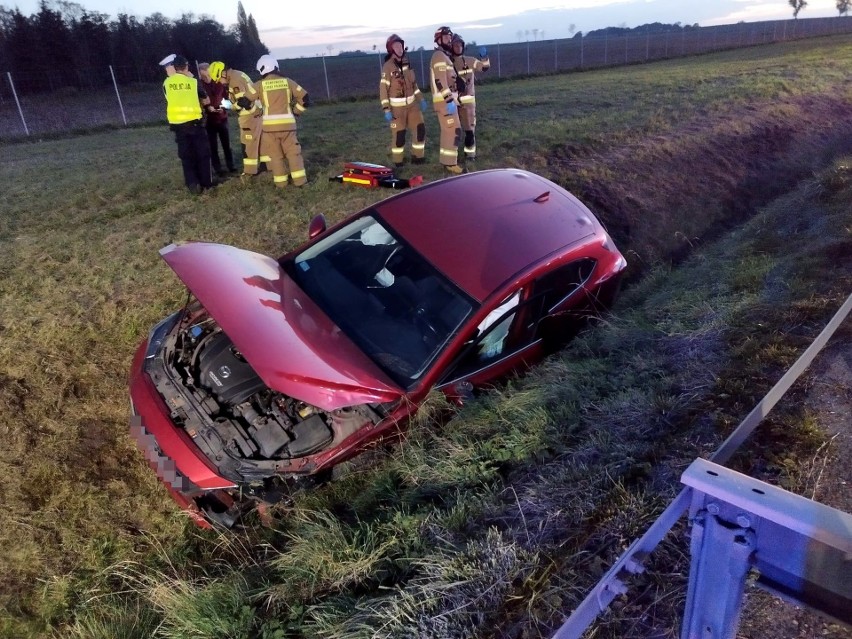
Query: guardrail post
{"type": "Point", "coordinates": [15, 94]}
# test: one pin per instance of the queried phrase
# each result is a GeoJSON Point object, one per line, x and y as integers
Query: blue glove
{"type": "Point", "coordinates": [388, 116]}
{"type": "Point", "coordinates": [423, 105]}
{"type": "Point", "coordinates": [483, 52]}
{"type": "Point", "coordinates": [451, 108]}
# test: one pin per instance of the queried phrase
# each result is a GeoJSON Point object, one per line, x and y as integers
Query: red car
{"type": "Point", "coordinates": [279, 369]}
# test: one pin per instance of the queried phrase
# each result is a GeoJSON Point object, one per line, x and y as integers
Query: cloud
{"type": "Point", "coordinates": [471, 27]}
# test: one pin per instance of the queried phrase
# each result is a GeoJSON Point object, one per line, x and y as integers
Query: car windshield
{"type": "Point", "coordinates": [384, 295]}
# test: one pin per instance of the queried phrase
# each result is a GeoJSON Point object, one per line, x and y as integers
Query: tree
{"type": "Point", "coordinates": [520, 35]}
{"type": "Point", "coordinates": [535, 34]}
{"type": "Point", "coordinates": [843, 7]}
{"type": "Point", "coordinates": [798, 5]}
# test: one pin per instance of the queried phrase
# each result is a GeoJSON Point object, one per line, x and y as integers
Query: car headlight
{"type": "Point", "coordinates": [159, 332]}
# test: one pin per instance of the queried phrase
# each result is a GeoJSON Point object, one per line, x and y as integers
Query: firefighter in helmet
{"type": "Point", "coordinates": [283, 100]}
{"type": "Point", "coordinates": [442, 77]}
{"type": "Point", "coordinates": [185, 105]}
{"type": "Point", "coordinates": [243, 97]}
{"type": "Point", "coordinates": [466, 66]}
{"type": "Point", "coordinates": [402, 102]}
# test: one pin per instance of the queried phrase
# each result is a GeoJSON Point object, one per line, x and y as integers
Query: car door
{"type": "Point", "coordinates": [522, 328]}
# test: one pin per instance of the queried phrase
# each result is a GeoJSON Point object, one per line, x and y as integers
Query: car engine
{"type": "Point", "coordinates": [239, 413]}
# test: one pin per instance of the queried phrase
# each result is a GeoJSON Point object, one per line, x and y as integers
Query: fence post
{"type": "Point", "coordinates": [626, 43]}
{"type": "Point", "coordinates": [606, 48]}
{"type": "Point", "coordinates": [555, 55]}
{"type": "Point", "coordinates": [380, 63]}
{"type": "Point", "coordinates": [15, 93]}
{"type": "Point", "coordinates": [422, 72]}
{"type": "Point", "coordinates": [325, 73]}
{"type": "Point", "coordinates": [582, 37]}
{"type": "Point", "coordinates": [528, 57]}
{"type": "Point", "coordinates": [647, 45]}
{"type": "Point", "coordinates": [118, 95]}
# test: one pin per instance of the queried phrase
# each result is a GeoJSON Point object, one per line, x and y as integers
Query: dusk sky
{"type": "Point", "coordinates": [327, 27]}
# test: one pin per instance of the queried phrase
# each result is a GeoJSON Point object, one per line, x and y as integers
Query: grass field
{"type": "Point", "coordinates": [725, 180]}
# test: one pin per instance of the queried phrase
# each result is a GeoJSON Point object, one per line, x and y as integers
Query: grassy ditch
{"type": "Point", "coordinates": [501, 517]}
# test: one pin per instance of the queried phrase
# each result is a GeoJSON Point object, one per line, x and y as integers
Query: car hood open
{"type": "Point", "coordinates": [289, 342]}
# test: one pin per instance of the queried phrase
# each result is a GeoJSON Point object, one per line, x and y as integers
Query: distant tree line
{"type": "Point", "coordinates": [63, 42]}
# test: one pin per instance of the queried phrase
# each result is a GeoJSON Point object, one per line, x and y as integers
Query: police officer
{"type": "Point", "coordinates": [283, 99]}
{"type": "Point", "coordinates": [185, 102]}
{"type": "Point", "coordinates": [466, 66]}
{"type": "Point", "coordinates": [443, 83]}
{"type": "Point", "coordinates": [402, 102]}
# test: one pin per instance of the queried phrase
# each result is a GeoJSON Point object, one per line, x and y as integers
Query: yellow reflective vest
{"type": "Point", "coordinates": [182, 103]}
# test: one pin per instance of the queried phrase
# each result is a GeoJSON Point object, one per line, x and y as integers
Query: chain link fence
{"type": "Point", "coordinates": [115, 96]}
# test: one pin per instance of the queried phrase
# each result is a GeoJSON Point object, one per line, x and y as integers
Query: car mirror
{"type": "Point", "coordinates": [316, 226]}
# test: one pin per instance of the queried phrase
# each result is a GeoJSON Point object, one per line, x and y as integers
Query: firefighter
{"type": "Point", "coordinates": [443, 84]}
{"type": "Point", "coordinates": [243, 97]}
{"type": "Point", "coordinates": [185, 104]}
{"type": "Point", "coordinates": [466, 66]}
{"type": "Point", "coordinates": [283, 100]}
{"type": "Point", "coordinates": [402, 103]}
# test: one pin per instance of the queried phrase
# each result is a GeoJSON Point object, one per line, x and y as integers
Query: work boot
{"type": "Point", "coordinates": [454, 169]}
{"type": "Point", "coordinates": [195, 189]}
{"type": "Point", "coordinates": [418, 160]}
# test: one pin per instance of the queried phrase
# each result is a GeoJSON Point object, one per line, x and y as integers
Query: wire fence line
{"type": "Point", "coordinates": [127, 95]}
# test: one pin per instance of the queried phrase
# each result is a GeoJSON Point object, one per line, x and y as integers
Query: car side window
{"type": "Point", "coordinates": [505, 330]}
{"type": "Point", "coordinates": [558, 285]}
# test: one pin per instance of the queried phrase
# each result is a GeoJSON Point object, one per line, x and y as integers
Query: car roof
{"type": "Point", "coordinates": [482, 229]}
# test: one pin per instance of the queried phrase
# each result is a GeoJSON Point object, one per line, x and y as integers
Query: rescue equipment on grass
{"type": "Point", "coordinates": [374, 175]}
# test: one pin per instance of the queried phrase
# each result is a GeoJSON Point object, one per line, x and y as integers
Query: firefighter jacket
{"type": "Point", "coordinates": [183, 99]}
{"type": "Point", "coordinates": [466, 66]}
{"type": "Point", "coordinates": [283, 99]}
{"type": "Point", "coordinates": [398, 86]}
{"type": "Point", "coordinates": [442, 77]}
{"type": "Point", "coordinates": [240, 86]}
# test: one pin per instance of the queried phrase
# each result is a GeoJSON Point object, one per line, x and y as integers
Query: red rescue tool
{"type": "Point", "coordinates": [374, 175]}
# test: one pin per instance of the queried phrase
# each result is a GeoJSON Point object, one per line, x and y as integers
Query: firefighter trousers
{"type": "Point", "coordinates": [407, 118]}
{"type": "Point", "coordinates": [467, 116]}
{"type": "Point", "coordinates": [450, 134]}
{"type": "Point", "coordinates": [251, 128]}
{"type": "Point", "coordinates": [281, 145]}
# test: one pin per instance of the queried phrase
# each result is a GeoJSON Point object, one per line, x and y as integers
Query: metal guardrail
{"type": "Point", "coordinates": [613, 583]}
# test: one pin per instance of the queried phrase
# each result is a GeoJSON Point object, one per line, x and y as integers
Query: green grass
{"type": "Point", "coordinates": [504, 514]}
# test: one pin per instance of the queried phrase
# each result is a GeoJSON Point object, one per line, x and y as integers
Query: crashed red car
{"type": "Point", "coordinates": [279, 369]}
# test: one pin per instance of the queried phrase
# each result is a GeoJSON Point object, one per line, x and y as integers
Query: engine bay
{"type": "Point", "coordinates": [238, 413]}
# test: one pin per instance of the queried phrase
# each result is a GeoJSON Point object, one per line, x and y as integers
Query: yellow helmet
{"type": "Point", "coordinates": [216, 69]}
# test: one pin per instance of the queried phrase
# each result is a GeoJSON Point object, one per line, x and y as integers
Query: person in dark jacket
{"type": "Point", "coordinates": [217, 122]}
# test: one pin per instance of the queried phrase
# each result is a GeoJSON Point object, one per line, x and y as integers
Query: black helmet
{"type": "Point", "coordinates": [391, 41]}
{"type": "Point", "coordinates": [457, 39]}
{"type": "Point", "coordinates": [441, 32]}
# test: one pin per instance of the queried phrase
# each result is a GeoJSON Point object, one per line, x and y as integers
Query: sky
{"type": "Point", "coordinates": [326, 27]}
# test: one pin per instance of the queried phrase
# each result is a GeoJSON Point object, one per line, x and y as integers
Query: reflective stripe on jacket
{"type": "Point", "coordinates": [398, 86]}
{"type": "Point", "coordinates": [282, 100]}
{"type": "Point", "coordinates": [182, 103]}
{"type": "Point", "coordinates": [466, 66]}
{"type": "Point", "coordinates": [442, 77]}
{"type": "Point", "coordinates": [240, 86]}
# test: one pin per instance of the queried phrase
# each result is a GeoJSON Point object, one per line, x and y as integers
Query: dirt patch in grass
{"type": "Point", "coordinates": [664, 194]}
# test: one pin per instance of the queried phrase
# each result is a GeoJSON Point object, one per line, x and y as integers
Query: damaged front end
{"type": "Point", "coordinates": [258, 442]}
